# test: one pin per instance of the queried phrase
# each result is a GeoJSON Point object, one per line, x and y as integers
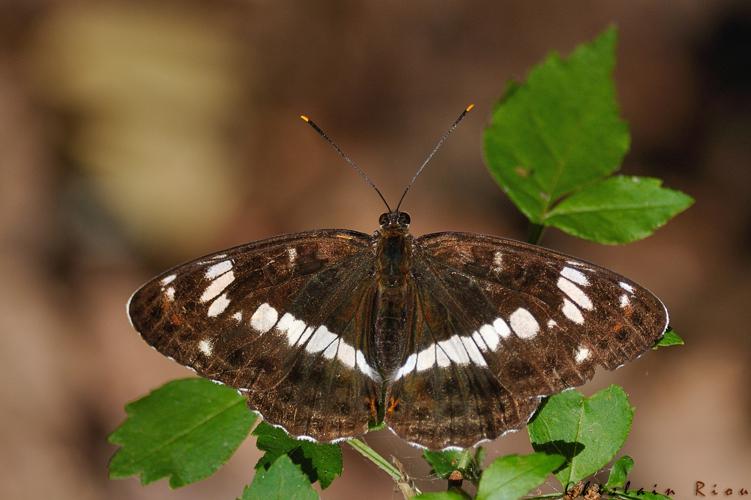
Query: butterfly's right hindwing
{"type": "Point", "coordinates": [283, 320]}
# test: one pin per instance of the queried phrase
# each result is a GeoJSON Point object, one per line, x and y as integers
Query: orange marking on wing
{"type": "Point", "coordinates": [175, 319]}
{"type": "Point", "coordinates": [628, 311]}
{"type": "Point", "coordinates": [393, 405]}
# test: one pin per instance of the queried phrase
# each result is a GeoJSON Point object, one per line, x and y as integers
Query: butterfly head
{"type": "Point", "coordinates": [393, 220]}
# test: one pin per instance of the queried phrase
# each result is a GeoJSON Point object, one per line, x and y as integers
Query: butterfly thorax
{"type": "Point", "coordinates": [393, 262]}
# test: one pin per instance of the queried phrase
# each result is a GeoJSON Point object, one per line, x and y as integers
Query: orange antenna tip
{"type": "Point", "coordinates": [469, 108]}
{"type": "Point", "coordinates": [305, 118]}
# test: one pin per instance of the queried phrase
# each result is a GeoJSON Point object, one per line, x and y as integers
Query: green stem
{"type": "Point", "coordinates": [534, 233]}
{"type": "Point", "coordinates": [464, 460]}
{"type": "Point", "coordinates": [543, 497]}
{"type": "Point", "coordinates": [369, 453]}
{"type": "Point", "coordinates": [402, 482]}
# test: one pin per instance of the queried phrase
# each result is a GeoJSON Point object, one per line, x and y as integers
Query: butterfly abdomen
{"type": "Point", "coordinates": [390, 328]}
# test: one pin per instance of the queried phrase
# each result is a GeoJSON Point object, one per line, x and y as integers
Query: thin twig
{"type": "Point", "coordinates": [399, 478]}
{"type": "Point", "coordinates": [534, 234]}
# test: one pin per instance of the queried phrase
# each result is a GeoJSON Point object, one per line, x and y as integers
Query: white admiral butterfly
{"type": "Point", "coordinates": [449, 339]}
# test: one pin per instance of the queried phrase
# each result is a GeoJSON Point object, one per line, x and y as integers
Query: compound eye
{"type": "Point", "coordinates": [404, 218]}
{"type": "Point", "coordinates": [383, 219]}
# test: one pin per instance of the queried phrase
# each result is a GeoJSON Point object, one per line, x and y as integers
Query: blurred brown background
{"type": "Point", "coordinates": [137, 135]}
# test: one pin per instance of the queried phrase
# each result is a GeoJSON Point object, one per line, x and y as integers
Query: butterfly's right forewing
{"type": "Point", "coordinates": [283, 320]}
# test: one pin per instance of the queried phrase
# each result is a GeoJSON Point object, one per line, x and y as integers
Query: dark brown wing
{"type": "Point", "coordinates": [283, 320]}
{"type": "Point", "coordinates": [501, 323]}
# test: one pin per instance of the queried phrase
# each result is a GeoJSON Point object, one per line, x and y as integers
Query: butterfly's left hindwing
{"type": "Point", "coordinates": [283, 320]}
{"type": "Point", "coordinates": [500, 323]}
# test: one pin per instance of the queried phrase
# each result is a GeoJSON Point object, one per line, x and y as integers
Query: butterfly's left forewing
{"type": "Point", "coordinates": [500, 323]}
{"type": "Point", "coordinates": [283, 320]}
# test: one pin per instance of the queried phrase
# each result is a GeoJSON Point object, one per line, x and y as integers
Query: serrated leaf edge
{"type": "Point", "coordinates": [176, 437]}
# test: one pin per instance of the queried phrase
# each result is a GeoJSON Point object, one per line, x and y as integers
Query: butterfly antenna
{"type": "Point", "coordinates": [346, 158]}
{"type": "Point", "coordinates": [435, 150]}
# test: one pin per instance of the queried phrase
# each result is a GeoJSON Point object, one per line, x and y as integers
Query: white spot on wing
{"type": "Point", "coordinates": [626, 287]}
{"type": "Point", "coordinates": [320, 340]}
{"type": "Point", "coordinates": [552, 323]}
{"type": "Point", "coordinates": [582, 354]}
{"type": "Point", "coordinates": [346, 354]}
{"type": "Point", "coordinates": [472, 350]}
{"type": "Point", "coordinates": [264, 318]}
{"type": "Point", "coordinates": [285, 322]}
{"type": "Point", "coordinates": [217, 286]}
{"type": "Point", "coordinates": [170, 293]}
{"type": "Point", "coordinates": [441, 358]}
{"type": "Point", "coordinates": [206, 347]}
{"type": "Point", "coordinates": [291, 327]}
{"type": "Point", "coordinates": [168, 279]}
{"type": "Point", "coordinates": [292, 254]}
{"type": "Point", "coordinates": [297, 333]}
{"type": "Point", "coordinates": [490, 336]}
{"type": "Point", "coordinates": [575, 275]}
{"type": "Point", "coordinates": [479, 341]}
{"type": "Point", "coordinates": [330, 351]}
{"type": "Point", "coordinates": [218, 306]}
{"type": "Point", "coordinates": [426, 358]}
{"type": "Point", "coordinates": [365, 368]}
{"type": "Point", "coordinates": [408, 366]}
{"type": "Point", "coordinates": [454, 349]}
{"type": "Point", "coordinates": [525, 325]}
{"type": "Point", "coordinates": [572, 312]}
{"type": "Point", "coordinates": [218, 269]}
{"type": "Point", "coordinates": [502, 328]}
{"type": "Point", "coordinates": [624, 301]}
{"type": "Point", "coordinates": [305, 335]}
{"type": "Point", "coordinates": [497, 261]}
{"type": "Point", "coordinates": [575, 293]}
{"type": "Point", "coordinates": [238, 316]}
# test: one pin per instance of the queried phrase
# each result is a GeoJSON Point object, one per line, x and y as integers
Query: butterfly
{"type": "Point", "coordinates": [449, 339]}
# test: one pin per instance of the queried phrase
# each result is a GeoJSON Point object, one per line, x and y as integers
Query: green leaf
{"type": "Point", "coordinates": [587, 431]}
{"type": "Point", "coordinates": [619, 472]}
{"type": "Point", "coordinates": [185, 430]}
{"type": "Point", "coordinates": [512, 476]}
{"type": "Point", "coordinates": [559, 130]}
{"type": "Point", "coordinates": [441, 495]}
{"type": "Point", "coordinates": [443, 463]}
{"type": "Point", "coordinates": [320, 462]}
{"type": "Point", "coordinates": [669, 339]}
{"type": "Point", "coordinates": [618, 210]}
{"type": "Point", "coordinates": [282, 481]}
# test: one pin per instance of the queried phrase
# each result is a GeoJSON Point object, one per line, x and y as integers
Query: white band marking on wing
{"type": "Point", "coordinates": [572, 312]}
{"type": "Point", "coordinates": [217, 286]}
{"type": "Point", "coordinates": [264, 318]}
{"type": "Point", "coordinates": [525, 325]}
{"type": "Point", "coordinates": [218, 269]}
{"type": "Point", "coordinates": [575, 293]}
{"type": "Point", "coordinates": [218, 306]}
{"type": "Point", "coordinates": [575, 275]}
